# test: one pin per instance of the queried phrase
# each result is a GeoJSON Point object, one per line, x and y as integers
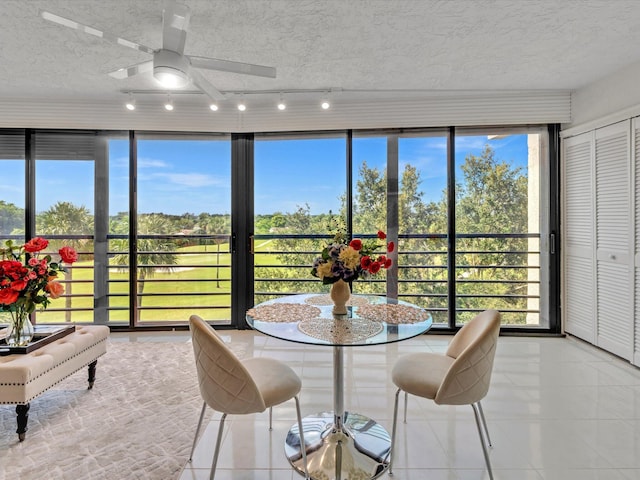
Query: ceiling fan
{"type": "Point", "coordinates": [170, 66]}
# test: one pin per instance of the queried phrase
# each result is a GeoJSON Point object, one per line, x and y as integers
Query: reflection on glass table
{"type": "Point", "coordinates": [340, 445]}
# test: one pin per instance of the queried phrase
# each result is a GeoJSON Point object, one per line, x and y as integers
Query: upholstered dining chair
{"type": "Point", "coordinates": [235, 387]}
{"type": "Point", "coordinates": [459, 377]}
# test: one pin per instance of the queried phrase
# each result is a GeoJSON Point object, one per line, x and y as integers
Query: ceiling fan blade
{"type": "Point", "coordinates": [67, 22]}
{"type": "Point", "coordinates": [229, 66]}
{"type": "Point", "coordinates": [203, 84]}
{"type": "Point", "coordinates": [175, 23]}
{"type": "Point", "coordinates": [132, 70]}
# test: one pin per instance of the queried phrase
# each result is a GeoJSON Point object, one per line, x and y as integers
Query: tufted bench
{"type": "Point", "coordinates": [25, 376]}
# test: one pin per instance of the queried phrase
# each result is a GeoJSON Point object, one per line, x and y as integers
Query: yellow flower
{"type": "Point", "coordinates": [324, 270]}
{"type": "Point", "coordinates": [350, 258]}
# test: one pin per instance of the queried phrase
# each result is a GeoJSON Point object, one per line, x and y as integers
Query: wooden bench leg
{"type": "Point", "coordinates": [92, 373]}
{"type": "Point", "coordinates": [23, 418]}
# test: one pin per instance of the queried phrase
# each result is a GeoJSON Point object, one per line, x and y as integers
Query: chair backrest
{"type": "Point", "coordinates": [225, 384]}
{"type": "Point", "coordinates": [473, 348]}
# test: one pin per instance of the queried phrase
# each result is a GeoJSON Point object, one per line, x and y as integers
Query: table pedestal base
{"type": "Point", "coordinates": [358, 450]}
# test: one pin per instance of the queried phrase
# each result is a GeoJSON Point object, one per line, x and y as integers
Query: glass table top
{"type": "Point", "coordinates": [370, 320]}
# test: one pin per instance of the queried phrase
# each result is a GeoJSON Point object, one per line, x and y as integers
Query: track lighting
{"type": "Point", "coordinates": [281, 104]}
{"type": "Point", "coordinates": [241, 105]}
{"type": "Point", "coordinates": [325, 102]}
{"type": "Point", "coordinates": [264, 98]}
{"type": "Point", "coordinates": [131, 103]}
{"type": "Point", "coordinates": [169, 104]}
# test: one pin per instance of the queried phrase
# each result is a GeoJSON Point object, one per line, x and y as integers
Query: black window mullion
{"type": "Point", "coordinates": [242, 218]}
{"type": "Point", "coordinates": [451, 226]}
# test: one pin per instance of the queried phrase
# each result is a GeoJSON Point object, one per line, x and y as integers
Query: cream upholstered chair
{"type": "Point", "coordinates": [459, 377]}
{"type": "Point", "coordinates": [236, 387]}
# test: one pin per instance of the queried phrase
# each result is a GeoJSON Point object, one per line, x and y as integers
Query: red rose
{"type": "Point", "coordinates": [381, 235]}
{"type": "Point", "coordinates": [19, 285]}
{"type": "Point", "coordinates": [390, 247]}
{"type": "Point", "coordinates": [374, 267]}
{"type": "Point", "coordinates": [387, 263]}
{"type": "Point", "coordinates": [8, 296]}
{"type": "Point", "coordinates": [68, 255]}
{"type": "Point", "coordinates": [356, 244]}
{"type": "Point", "coordinates": [35, 245]}
{"type": "Point", "coordinates": [382, 259]}
{"type": "Point", "coordinates": [12, 269]}
{"type": "Point", "coordinates": [365, 262]}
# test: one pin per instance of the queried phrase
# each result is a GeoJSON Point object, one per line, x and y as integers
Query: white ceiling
{"type": "Point", "coordinates": [435, 46]}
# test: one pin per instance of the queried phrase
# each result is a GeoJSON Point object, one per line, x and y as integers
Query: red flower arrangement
{"type": "Point", "coordinates": [348, 262]}
{"type": "Point", "coordinates": [28, 281]}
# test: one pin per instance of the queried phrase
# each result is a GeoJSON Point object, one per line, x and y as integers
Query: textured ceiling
{"type": "Point", "coordinates": [431, 45]}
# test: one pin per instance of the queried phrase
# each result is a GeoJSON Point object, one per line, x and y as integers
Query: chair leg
{"type": "Point", "coordinates": [270, 418]}
{"type": "Point", "coordinates": [484, 424]}
{"type": "Point", "coordinates": [406, 401]}
{"type": "Point", "coordinates": [195, 438]}
{"type": "Point", "coordinates": [217, 450]}
{"type": "Point", "coordinates": [393, 429]}
{"type": "Point", "coordinates": [303, 447]}
{"type": "Point", "coordinates": [476, 413]}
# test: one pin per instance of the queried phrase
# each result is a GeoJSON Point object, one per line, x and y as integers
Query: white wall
{"type": "Point", "coordinates": [611, 99]}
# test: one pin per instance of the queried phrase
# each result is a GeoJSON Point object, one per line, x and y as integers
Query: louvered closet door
{"type": "Point", "coordinates": [614, 271]}
{"type": "Point", "coordinates": [636, 162]}
{"type": "Point", "coordinates": [578, 248]}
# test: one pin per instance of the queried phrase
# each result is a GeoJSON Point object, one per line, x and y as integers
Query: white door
{"type": "Point", "coordinates": [579, 313]}
{"type": "Point", "coordinates": [614, 241]}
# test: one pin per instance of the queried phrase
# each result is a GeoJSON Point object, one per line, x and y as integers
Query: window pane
{"type": "Point", "coordinates": [498, 226]}
{"type": "Point", "coordinates": [299, 183]}
{"type": "Point", "coordinates": [184, 229]}
{"type": "Point", "coordinates": [65, 216]}
{"type": "Point", "coordinates": [370, 201]}
{"type": "Point", "coordinates": [118, 232]}
{"type": "Point", "coordinates": [422, 219]}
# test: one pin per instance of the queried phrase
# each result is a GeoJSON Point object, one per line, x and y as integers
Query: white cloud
{"type": "Point", "coordinates": [193, 180]}
{"type": "Point", "coordinates": [152, 163]}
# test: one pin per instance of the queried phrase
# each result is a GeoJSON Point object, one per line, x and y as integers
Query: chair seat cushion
{"type": "Point", "coordinates": [276, 381]}
{"type": "Point", "coordinates": [421, 373]}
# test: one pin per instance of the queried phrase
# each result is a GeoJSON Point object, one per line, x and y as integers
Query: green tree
{"type": "Point", "coordinates": [11, 218]}
{"type": "Point", "coordinates": [215, 225]}
{"type": "Point", "coordinates": [492, 199]}
{"type": "Point", "coordinates": [153, 253]}
{"type": "Point", "coordinates": [63, 219]}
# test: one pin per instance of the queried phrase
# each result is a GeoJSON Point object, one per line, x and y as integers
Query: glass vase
{"type": "Point", "coordinates": [20, 330]}
{"type": "Point", "coordinates": [340, 294]}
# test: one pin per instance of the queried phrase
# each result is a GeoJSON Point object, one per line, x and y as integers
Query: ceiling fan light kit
{"type": "Point", "coordinates": [169, 66]}
{"type": "Point", "coordinates": [170, 69]}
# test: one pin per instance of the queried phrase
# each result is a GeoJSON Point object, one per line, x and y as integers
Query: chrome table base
{"type": "Point", "coordinates": [358, 449]}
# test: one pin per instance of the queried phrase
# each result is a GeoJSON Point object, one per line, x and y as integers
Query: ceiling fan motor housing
{"type": "Point", "coordinates": [171, 69]}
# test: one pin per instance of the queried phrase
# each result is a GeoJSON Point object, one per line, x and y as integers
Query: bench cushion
{"type": "Point", "coordinates": [25, 376]}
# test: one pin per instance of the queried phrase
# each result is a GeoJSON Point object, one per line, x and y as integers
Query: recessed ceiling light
{"type": "Point", "coordinates": [325, 104]}
{"type": "Point", "coordinates": [213, 107]}
{"type": "Point", "coordinates": [242, 107]}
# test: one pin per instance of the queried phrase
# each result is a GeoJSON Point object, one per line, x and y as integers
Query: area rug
{"type": "Point", "coordinates": [138, 421]}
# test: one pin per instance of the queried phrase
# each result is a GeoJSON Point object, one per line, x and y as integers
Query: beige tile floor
{"type": "Point", "coordinates": [558, 409]}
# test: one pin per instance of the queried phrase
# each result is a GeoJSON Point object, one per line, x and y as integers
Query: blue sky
{"type": "Point", "coordinates": [179, 176]}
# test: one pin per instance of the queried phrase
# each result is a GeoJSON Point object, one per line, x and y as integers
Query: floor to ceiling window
{"type": "Point", "coordinates": [151, 216]}
{"type": "Point", "coordinates": [499, 222]}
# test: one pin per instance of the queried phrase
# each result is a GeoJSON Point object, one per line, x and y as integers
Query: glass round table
{"type": "Point", "coordinates": [339, 445]}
